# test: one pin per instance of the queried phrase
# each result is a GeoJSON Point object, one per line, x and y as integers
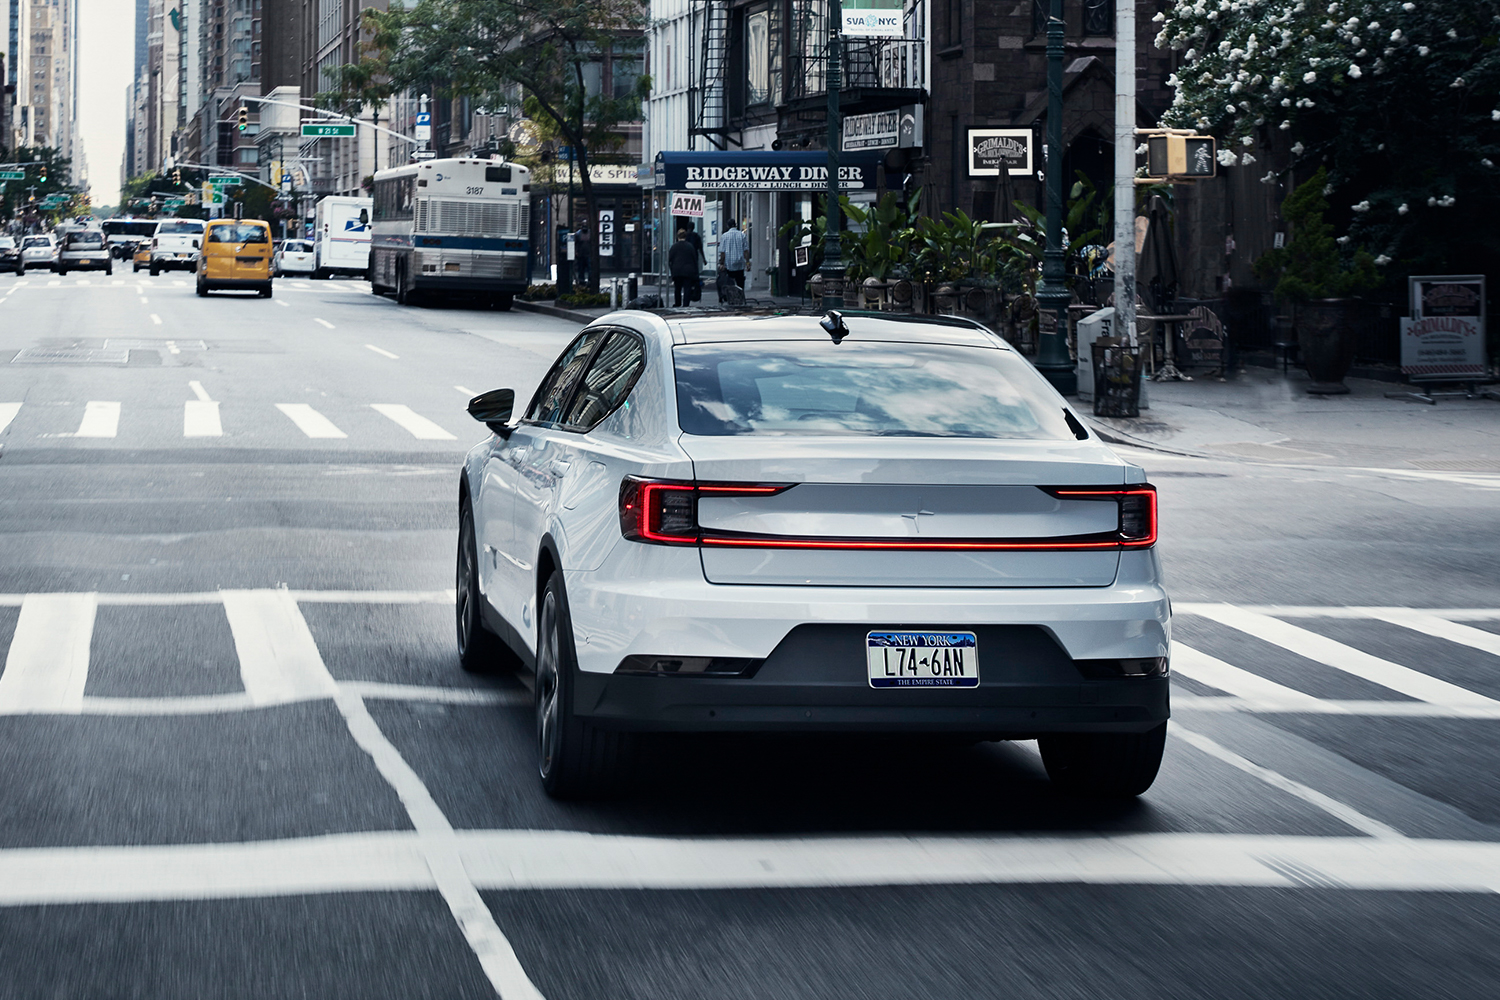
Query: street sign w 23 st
{"type": "Point", "coordinates": [1439, 347]}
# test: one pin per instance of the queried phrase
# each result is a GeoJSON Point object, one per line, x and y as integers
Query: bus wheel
{"type": "Point", "coordinates": [403, 295]}
{"type": "Point", "coordinates": [502, 301]}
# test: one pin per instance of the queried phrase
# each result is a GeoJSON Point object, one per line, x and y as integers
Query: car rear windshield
{"type": "Point", "coordinates": [82, 240]}
{"type": "Point", "coordinates": [239, 232]}
{"type": "Point", "coordinates": [296, 246]}
{"type": "Point", "coordinates": [6, 243]}
{"type": "Point", "coordinates": [179, 228]}
{"type": "Point", "coordinates": [37, 241]}
{"type": "Point", "coordinates": [870, 389]}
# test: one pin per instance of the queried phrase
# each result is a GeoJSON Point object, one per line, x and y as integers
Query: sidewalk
{"type": "Point", "coordinates": [1265, 416]}
{"type": "Point", "coordinates": [755, 298]}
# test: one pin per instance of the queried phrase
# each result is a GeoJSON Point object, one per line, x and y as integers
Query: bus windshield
{"type": "Point", "coordinates": [129, 227]}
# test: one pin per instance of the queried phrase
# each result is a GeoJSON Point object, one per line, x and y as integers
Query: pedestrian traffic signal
{"type": "Point", "coordinates": [244, 121]}
{"type": "Point", "coordinates": [1180, 154]}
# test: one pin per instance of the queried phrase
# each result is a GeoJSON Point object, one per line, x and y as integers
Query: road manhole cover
{"type": "Point", "coordinates": [115, 344]}
{"type": "Point", "coordinates": [70, 356]}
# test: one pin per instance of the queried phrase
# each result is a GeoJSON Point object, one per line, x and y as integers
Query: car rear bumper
{"type": "Point", "coordinates": [93, 264]}
{"type": "Point", "coordinates": [230, 284]}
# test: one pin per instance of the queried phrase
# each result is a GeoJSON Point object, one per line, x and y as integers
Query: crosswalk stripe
{"type": "Point", "coordinates": [309, 421]}
{"type": "Point", "coordinates": [8, 413]}
{"type": "Point", "coordinates": [279, 661]}
{"type": "Point", "coordinates": [1332, 653]}
{"type": "Point", "coordinates": [48, 662]}
{"type": "Point", "coordinates": [419, 426]}
{"type": "Point", "coordinates": [200, 418]}
{"type": "Point", "coordinates": [101, 419]}
{"type": "Point", "coordinates": [1199, 666]}
{"type": "Point", "coordinates": [1464, 635]}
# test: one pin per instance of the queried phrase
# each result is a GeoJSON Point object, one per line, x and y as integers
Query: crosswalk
{"type": "Point", "coordinates": [143, 285]}
{"type": "Point", "coordinates": [203, 418]}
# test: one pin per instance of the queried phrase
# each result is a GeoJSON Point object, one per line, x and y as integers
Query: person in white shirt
{"type": "Point", "coordinates": [734, 253]}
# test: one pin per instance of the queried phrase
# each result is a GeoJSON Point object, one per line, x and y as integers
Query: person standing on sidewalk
{"type": "Point", "coordinates": [682, 263]}
{"type": "Point", "coordinates": [734, 253]}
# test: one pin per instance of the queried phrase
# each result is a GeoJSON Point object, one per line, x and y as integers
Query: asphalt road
{"type": "Point", "coordinates": [238, 757]}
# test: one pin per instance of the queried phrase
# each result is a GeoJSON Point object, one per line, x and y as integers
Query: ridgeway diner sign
{"type": "Point", "coordinates": [763, 171]}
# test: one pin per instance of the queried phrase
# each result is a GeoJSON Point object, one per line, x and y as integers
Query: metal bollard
{"type": "Point", "coordinates": [633, 286]}
{"type": "Point", "coordinates": [614, 293]}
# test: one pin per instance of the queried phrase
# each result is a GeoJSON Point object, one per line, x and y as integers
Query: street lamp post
{"type": "Point", "coordinates": [833, 256]}
{"type": "Point", "coordinates": [1052, 292]}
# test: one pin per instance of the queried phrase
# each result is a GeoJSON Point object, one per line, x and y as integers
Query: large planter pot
{"type": "Point", "coordinates": [815, 290]}
{"type": "Point", "coordinates": [873, 290]}
{"type": "Point", "coordinates": [1325, 340]}
{"type": "Point", "coordinates": [946, 298]}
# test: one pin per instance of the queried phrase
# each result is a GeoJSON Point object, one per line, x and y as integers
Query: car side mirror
{"type": "Point", "coordinates": [493, 409]}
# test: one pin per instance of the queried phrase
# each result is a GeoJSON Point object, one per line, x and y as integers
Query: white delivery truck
{"type": "Point", "coordinates": [341, 236]}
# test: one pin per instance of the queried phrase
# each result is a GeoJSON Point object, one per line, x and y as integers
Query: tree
{"type": "Point", "coordinates": [485, 49]}
{"type": "Point", "coordinates": [1399, 100]}
{"type": "Point", "coordinates": [46, 172]}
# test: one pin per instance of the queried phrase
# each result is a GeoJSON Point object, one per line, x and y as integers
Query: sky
{"type": "Point", "coordinates": [106, 46]}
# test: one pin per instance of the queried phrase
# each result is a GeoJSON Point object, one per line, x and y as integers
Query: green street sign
{"type": "Point", "coordinates": [222, 180]}
{"type": "Point", "coordinates": [321, 129]}
{"type": "Point", "coordinates": [12, 175]}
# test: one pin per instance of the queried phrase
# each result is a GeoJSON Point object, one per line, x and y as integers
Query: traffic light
{"type": "Point", "coordinates": [176, 176]}
{"type": "Point", "coordinates": [244, 118]}
{"type": "Point", "coordinates": [43, 176]}
{"type": "Point", "coordinates": [1181, 155]}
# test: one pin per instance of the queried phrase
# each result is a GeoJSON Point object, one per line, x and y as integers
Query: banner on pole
{"type": "Point", "coordinates": [873, 19]}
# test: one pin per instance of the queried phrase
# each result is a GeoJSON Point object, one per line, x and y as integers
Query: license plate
{"type": "Point", "coordinates": [922, 659]}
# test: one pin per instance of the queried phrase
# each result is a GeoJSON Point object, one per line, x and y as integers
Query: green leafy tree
{"type": "Point", "coordinates": [486, 49]}
{"type": "Point", "coordinates": [1400, 101]}
{"type": "Point", "coordinates": [46, 173]}
{"type": "Point", "coordinates": [1311, 266]}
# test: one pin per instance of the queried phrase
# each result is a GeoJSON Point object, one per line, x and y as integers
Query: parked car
{"type": "Point", "coordinates": [293, 257]}
{"type": "Point", "coordinates": [866, 523]}
{"type": "Point", "coordinates": [10, 254]}
{"type": "Point", "coordinates": [176, 244]}
{"type": "Point", "coordinates": [37, 251]}
{"type": "Point", "coordinates": [84, 250]}
{"type": "Point", "coordinates": [236, 254]}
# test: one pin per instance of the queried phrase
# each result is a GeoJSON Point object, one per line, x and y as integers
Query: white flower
{"type": "Point", "coordinates": [1286, 102]}
{"type": "Point", "coordinates": [1297, 149]}
{"type": "Point", "coordinates": [1247, 141]}
{"type": "Point", "coordinates": [1446, 201]}
{"type": "Point", "coordinates": [1403, 209]}
{"type": "Point", "coordinates": [1382, 259]}
{"type": "Point", "coordinates": [1355, 71]}
{"type": "Point", "coordinates": [1161, 16]}
{"type": "Point", "coordinates": [1327, 190]}
{"type": "Point", "coordinates": [1459, 82]}
{"type": "Point", "coordinates": [1227, 158]}
{"type": "Point", "coordinates": [1285, 125]}
{"type": "Point", "coordinates": [1488, 162]}
{"type": "Point", "coordinates": [1452, 33]}
{"type": "Point", "coordinates": [1246, 160]}
{"type": "Point", "coordinates": [1380, 148]}
{"type": "Point", "coordinates": [1309, 77]}
{"type": "Point", "coordinates": [1142, 149]}
{"type": "Point", "coordinates": [1363, 206]}
{"type": "Point", "coordinates": [1396, 35]}
{"type": "Point", "coordinates": [1342, 240]}
{"type": "Point", "coordinates": [1230, 108]}
{"type": "Point", "coordinates": [1431, 202]}
{"type": "Point", "coordinates": [1408, 7]}
{"type": "Point", "coordinates": [1422, 50]}
{"type": "Point", "coordinates": [1495, 115]}
{"type": "Point", "coordinates": [1270, 178]}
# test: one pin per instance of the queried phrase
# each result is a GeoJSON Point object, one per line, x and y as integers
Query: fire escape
{"type": "Point", "coordinates": [708, 97]}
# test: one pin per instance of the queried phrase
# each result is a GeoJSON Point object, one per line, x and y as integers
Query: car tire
{"type": "Point", "coordinates": [135, 268]}
{"type": "Point", "coordinates": [109, 269]}
{"type": "Point", "coordinates": [480, 651]}
{"type": "Point", "coordinates": [61, 271]}
{"type": "Point", "coordinates": [265, 292]}
{"type": "Point", "coordinates": [574, 759]}
{"type": "Point", "coordinates": [21, 271]}
{"type": "Point", "coordinates": [1104, 765]}
{"type": "Point", "coordinates": [154, 269]}
{"type": "Point", "coordinates": [202, 289]}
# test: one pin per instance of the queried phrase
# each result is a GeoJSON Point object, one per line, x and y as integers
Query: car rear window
{"type": "Point", "coordinates": [239, 232]}
{"type": "Point", "coordinates": [38, 241]}
{"type": "Point", "coordinates": [872, 389]}
{"type": "Point", "coordinates": [178, 228]}
{"type": "Point", "coordinates": [80, 240]}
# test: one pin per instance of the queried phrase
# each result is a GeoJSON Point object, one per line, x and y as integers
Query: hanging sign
{"type": "Point", "coordinates": [993, 150]}
{"type": "Point", "coordinates": [690, 205]}
{"type": "Point", "coordinates": [873, 18]}
{"type": "Point", "coordinates": [606, 232]}
{"type": "Point", "coordinates": [874, 131]}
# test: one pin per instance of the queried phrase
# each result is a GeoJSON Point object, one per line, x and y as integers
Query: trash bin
{"type": "Point", "coordinates": [1117, 381]}
{"type": "Point", "coordinates": [775, 273]}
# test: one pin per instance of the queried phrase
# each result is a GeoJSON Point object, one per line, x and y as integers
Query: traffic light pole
{"type": "Point", "coordinates": [1052, 294]}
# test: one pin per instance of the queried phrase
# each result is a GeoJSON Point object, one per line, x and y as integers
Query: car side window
{"type": "Point", "coordinates": [552, 395]}
{"type": "Point", "coordinates": [609, 378]}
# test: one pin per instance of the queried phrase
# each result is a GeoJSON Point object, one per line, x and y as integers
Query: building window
{"type": "Point", "coordinates": [625, 67]}
{"type": "Point", "coordinates": [758, 57]}
{"type": "Point", "coordinates": [1039, 13]}
{"type": "Point", "coordinates": [953, 22]}
{"type": "Point", "coordinates": [1099, 17]}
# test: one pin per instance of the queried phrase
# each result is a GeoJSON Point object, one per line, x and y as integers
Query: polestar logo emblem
{"type": "Point", "coordinates": [915, 523]}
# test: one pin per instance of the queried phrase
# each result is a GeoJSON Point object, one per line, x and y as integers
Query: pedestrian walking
{"type": "Point", "coordinates": [734, 253]}
{"type": "Point", "coordinates": [581, 252]}
{"type": "Point", "coordinates": [682, 262]}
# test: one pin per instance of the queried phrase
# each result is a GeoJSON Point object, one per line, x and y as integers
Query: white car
{"type": "Point", "coordinates": [860, 523]}
{"type": "Point", "coordinates": [176, 244]}
{"type": "Point", "coordinates": [292, 257]}
{"type": "Point", "coordinates": [38, 251]}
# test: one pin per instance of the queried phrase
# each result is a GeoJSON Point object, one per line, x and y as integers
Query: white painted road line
{"type": "Point", "coordinates": [279, 661]}
{"type": "Point", "coordinates": [309, 421]}
{"type": "Point", "coordinates": [384, 353]}
{"type": "Point", "coordinates": [1464, 635]}
{"type": "Point", "coordinates": [48, 662]}
{"type": "Point", "coordinates": [1327, 651]}
{"type": "Point", "coordinates": [8, 413]}
{"type": "Point", "coordinates": [281, 304]}
{"type": "Point", "coordinates": [198, 390]}
{"type": "Point", "coordinates": [1331, 706]}
{"type": "Point", "coordinates": [1199, 666]}
{"type": "Point", "coordinates": [547, 859]}
{"type": "Point", "coordinates": [467, 392]}
{"type": "Point", "coordinates": [419, 426]}
{"type": "Point", "coordinates": [156, 319]}
{"type": "Point", "coordinates": [324, 322]}
{"type": "Point", "coordinates": [100, 420]}
{"type": "Point", "coordinates": [200, 418]}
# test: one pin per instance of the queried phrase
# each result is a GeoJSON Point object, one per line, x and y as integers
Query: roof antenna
{"type": "Point", "coordinates": [834, 324]}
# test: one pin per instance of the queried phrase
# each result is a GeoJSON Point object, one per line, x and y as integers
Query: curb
{"type": "Point", "coordinates": [558, 311]}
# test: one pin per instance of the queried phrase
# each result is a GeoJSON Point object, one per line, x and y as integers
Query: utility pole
{"type": "Point", "coordinates": [833, 256]}
{"type": "Point", "coordinates": [1052, 294]}
{"type": "Point", "coordinates": [1125, 142]}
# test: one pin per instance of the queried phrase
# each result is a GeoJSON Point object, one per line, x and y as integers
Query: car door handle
{"type": "Point", "coordinates": [560, 466]}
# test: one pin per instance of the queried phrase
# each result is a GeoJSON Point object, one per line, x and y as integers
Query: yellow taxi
{"type": "Point", "coordinates": [142, 256]}
{"type": "Point", "coordinates": [236, 254]}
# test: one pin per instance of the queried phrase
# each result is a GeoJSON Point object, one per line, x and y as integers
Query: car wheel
{"type": "Point", "coordinates": [109, 269]}
{"type": "Point", "coordinates": [62, 271]}
{"type": "Point", "coordinates": [403, 294]}
{"type": "Point", "coordinates": [574, 759]}
{"type": "Point", "coordinates": [202, 289]}
{"type": "Point", "coordinates": [265, 292]}
{"type": "Point", "coordinates": [154, 269]}
{"type": "Point", "coordinates": [135, 268]}
{"type": "Point", "coordinates": [480, 651]}
{"type": "Point", "coordinates": [21, 271]}
{"type": "Point", "coordinates": [1104, 765]}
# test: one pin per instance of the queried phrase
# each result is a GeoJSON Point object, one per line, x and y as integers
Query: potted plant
{"type": "Point", "coordinates": [1312, 275]}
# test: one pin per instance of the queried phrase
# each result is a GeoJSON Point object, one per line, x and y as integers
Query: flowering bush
{"type": "Point", "coordinates": [1399, 100]}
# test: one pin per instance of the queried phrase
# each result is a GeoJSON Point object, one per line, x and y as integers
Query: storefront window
{"type": "Point", "coordinates": [758, 57]}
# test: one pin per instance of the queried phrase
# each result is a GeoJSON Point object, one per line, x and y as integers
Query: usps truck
{"type": "Point", "coordinates": [341, 237]}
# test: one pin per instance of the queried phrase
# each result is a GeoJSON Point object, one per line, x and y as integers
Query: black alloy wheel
{"type": "Point", "coordinates": [480, 651]}
{"type": "Point", "coordinates": [1104, 765]}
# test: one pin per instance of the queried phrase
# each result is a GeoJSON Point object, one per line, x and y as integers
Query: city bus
{"type": "Point", "coordinates": [452, 227]}
{"type": "Point", "coordinates": [125, 234]}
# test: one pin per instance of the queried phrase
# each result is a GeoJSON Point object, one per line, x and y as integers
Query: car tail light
{"type": "Point", "coordinates": [666, 511]}
{"type": "Point", "coordinates": [1137, 505]}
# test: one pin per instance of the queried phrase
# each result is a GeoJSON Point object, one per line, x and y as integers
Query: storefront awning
{"type": "Point", "coordinates": [763, 171]}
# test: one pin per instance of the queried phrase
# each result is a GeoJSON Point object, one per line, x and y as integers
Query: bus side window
{"type": "Point", "coordinates": [493, 175]}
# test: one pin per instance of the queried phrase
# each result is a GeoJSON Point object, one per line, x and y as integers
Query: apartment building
{"type": "Point", "coordinates": [42, 39]}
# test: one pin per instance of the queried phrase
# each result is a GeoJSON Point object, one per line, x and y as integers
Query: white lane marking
{"type": "Point", "coordinates": [216, 704]}
{"type": "Point", "coordinates": [203, 704]}
{"type": "Point", "coordinates": [385, 353]}
{"type": "Point", "coordinates": [8, 413]}
{"type": "Point", "coordinates": [301, 596]}
{"type": "Point", "coordinates": [156, 319]}
{"type": "Point", "coordinates": [101, 419]}
{"type": "Point", "coordinates": [144, 300]}
{"type": "Point", "coordinates": [440, 848]}
{"type": "Point", "coordinates": [48, 662]}
{"type": "Point", "coordinates": [178, 284]}
{"type": "Point", "coordinates": [1417, 621]}
{"type": "Point", "coordinates": [419, 426]}
{"type": "Point", "coordinates": [279, 661]}
{"type": "Point", "coordinates": [200, 418]}
{"type": "Point", "coordinates": [1335, 611]}
{"type": "Point", "coordinates": [53, 283]}
{"type": "Point", "coordinates": [446, 696]}
{"type": "Point", "coordinates": [116, 283]}
{"type": "Point", "coordinates": [84, 281]}
{"type": "Point", "coordinates": [173, 348]}
{"type": "Point", "coordinates": [1341, 657]}
{"type": "Point", "coordinates": [467, 392]}
{"type": "Point", "coordinates": [1199, 666]}
{"type": "Point", "coordinates": [1345, 814]}
{"type": "Point", "coordinates": [309, 421]}
{"type": "Point", "coordinates": [281, 304]}
{"type": "Point", "coordinates": [323, 322]}
{"type": "Point", "coordinates": [1330, 706]}
{"type": "Point", "coordinates": [198, 390]}
{"type": "Point", "coordinates": [555, 859]}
